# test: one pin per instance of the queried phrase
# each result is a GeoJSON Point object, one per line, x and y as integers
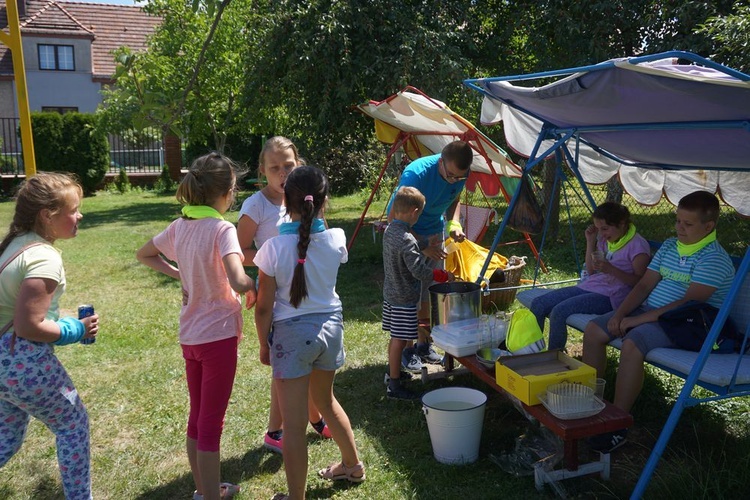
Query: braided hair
{"type": "Point", "coordinates": [52, 191]}
{"type": "Point", "coordinates": [305, 192]}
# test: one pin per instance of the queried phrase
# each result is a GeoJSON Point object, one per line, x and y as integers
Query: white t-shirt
{"type": "Point", "coordinates": [266, 215]}
{"type": "Point", "coordinates": [326, 252]}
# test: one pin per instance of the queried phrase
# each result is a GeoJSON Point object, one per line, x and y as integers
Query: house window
{"type": "Point", "coordinates": [56, 57]}
{"type": "Point", "coordinates": [59, 109]}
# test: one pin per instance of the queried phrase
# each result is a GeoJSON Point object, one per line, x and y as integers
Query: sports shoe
{"type": "Point", "coordinates": [609, 441]}
{"type": "Point", "coordinates": [410, 361]}
{"type": "Point", "coordinates": [322, 428]}
{"type": "Point", "coordinates": [401, 393]}
{"type": "Point", "coordinates": [273, 441]}
{"type": "Point", "coordinates": [427, 354]}
{"type": "Point", "coordinates": [403, 376]}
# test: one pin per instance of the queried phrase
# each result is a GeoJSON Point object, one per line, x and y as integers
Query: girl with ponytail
{"type": "Point", "coordinates": [299, 321]}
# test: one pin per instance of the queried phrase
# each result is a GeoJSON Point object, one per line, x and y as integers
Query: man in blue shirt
{"type": "Point", "coordinates": [440, 178]}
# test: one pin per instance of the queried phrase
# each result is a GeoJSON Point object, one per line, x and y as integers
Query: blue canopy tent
{"type": "Point", "coordinates": [668, 123]}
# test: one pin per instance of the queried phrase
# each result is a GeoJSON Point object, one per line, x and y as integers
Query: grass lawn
{"type": "Point", "coordinates": [133, 384]}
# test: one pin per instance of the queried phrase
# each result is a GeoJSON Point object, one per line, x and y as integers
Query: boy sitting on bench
{"type": "Point", "coordinates": [692, 266]}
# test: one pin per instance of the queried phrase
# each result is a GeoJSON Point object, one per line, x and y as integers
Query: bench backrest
{"type": "Point", "coordinates": [740, 312]}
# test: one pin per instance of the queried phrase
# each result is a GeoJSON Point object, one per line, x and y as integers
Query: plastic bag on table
{"type": "Point", "coordinates": [468, 258]}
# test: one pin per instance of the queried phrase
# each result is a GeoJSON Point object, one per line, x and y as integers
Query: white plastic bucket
{"type": "Point", "coordinates": [454, 418]}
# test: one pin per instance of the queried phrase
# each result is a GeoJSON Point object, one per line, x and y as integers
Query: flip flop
{"type": "Point", "coordinates": [344, 473]}
{"type": "Point", "coordinates": [228, 490]}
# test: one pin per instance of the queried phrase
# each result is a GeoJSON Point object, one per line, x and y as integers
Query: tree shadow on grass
{"type": "Point", "coordinates": [132, 214]}
{"type": "Point", "coordinates": [235, 470]}
{"type": "Point", "coordinates": [401, 431]}
{"type": "Point", "coordinates": [46, 488]}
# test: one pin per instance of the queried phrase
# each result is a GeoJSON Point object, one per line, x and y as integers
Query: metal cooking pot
{"type": "Point", "coordinates": [454, 301]}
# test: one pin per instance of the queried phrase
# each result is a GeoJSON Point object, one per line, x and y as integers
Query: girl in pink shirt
{"type": "Point", "coordinates": [209, 266]}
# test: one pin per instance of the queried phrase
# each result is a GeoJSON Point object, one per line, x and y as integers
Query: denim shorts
{"type": "Point", "coordinates": [305, 343]}
{"type": "Point", "coordinates": [647, 336]}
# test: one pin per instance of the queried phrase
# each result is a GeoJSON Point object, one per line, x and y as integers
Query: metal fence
{"type": "Point", "coordinates": [135, 152]}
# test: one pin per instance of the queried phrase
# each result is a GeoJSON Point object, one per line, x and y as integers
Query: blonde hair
{"type": "Point", "coordinates": [279, 143]}
{"type": "Point", "coordinates": [209, 177]}
{"type": "Point", "coordinates": [406, 199]}
{"type": "Point", "coordinates": [45, 191]}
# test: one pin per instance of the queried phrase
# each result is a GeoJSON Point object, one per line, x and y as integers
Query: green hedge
{"type": "Point", "coordinates": [46, 129]}
{"type": "Point", "coordinates": [71, 143]}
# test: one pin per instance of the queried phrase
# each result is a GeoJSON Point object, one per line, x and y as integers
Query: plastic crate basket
{"type": "Point", "coordinates": [501, 295]}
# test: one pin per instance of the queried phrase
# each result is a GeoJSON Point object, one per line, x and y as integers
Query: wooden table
{"type": "Point", "coordinates": [610, 419]}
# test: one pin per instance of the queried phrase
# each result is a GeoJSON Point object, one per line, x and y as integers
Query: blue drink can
{"type": "Point", "coordinates": [84, 311]}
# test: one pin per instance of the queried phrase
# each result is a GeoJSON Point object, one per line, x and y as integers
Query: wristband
{"type": "Point", "coordinates": [453, 224]}
{"type": "Point", "coordinates": [71, 331]}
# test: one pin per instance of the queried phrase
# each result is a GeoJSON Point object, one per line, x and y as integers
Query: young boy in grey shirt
{"type": "Point", "coordinates": [405, 267]}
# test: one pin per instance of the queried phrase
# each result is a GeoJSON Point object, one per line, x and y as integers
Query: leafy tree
{"type": "Point", "coordinates": [188, 80]}
{"type": "Point", "coordinates": [731, 34]}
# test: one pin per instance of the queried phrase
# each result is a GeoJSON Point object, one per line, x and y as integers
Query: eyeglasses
{"type": "Point", "coordinates": [449, 176]}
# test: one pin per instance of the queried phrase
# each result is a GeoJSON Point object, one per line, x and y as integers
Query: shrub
{"type": "Point", "coordinates": [122, 183]}
{"type": "Point", "coordinates": [8, 165]}
{"type": "Point", "coordinates": [85, 150]}
{"type": "Point", "coordinates": [164, 184]}
{"type": "Point", "coordinates": [349, 164]}
{"type": "Point", "coordinates": [243, 149]}
{"type": "Point", "coordinates": [48, 143]}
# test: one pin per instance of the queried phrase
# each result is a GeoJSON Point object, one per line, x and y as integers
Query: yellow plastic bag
{"type": "Point", "coordinates": [467, 261]}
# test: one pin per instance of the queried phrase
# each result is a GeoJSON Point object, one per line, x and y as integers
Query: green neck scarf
{"type": "Point", "coordinates": [616, 245]}
{"type": "Point", "coordinates": [686, 250]}
{"type": "Point", "coordinates": [201, 212]}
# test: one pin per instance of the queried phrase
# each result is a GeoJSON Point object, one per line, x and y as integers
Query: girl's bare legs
{"type": "Point", "coordinates": [321, 389]}
{"type": "Point", "coordinates": [191, 445]}
{"type": "Point", "coordinates": [292, 394]}
{"type": "Point", "coordinates": [206, 469]}
{"type": "Point", "coordinates": [313, 415]}
{"type": "Point", "coordinates": [274, 414]}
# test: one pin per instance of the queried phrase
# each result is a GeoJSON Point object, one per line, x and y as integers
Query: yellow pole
{"type": "Point", "coordinates": [13, 42]}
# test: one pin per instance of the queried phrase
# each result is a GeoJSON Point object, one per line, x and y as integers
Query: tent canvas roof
{"type": "Point", "coordinates": [434, 125]}
{"type": "Point", "coordinates": [664, 126]}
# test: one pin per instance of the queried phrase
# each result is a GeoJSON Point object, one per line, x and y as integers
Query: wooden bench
{"type": "Point", "coordinates": [570, 431]}
{"type": "Point", "coordinates": [725, 375]}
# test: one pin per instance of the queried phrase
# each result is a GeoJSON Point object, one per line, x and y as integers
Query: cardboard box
{"type": "Point", "coordinates": [529, 375]}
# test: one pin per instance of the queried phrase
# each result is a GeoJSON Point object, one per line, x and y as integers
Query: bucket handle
{"type": "Point", "coordinates": [424, 410]}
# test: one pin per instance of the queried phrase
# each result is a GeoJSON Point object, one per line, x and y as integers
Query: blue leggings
{"type": "Point", "coordinates": [34, 383]}
{"type": "Point", "coordinates": [563, 302]}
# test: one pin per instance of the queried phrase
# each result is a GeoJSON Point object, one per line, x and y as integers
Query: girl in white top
{"type": "Point", "coordinates": [300, 327]}
{"type": "Point", "coordinates": [260, 217]}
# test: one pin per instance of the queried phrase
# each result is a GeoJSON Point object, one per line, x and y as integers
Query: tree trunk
{"type": "Point", "coordinates": [614, 189]}
{"type": "Point", "coordinates": [173, 155]}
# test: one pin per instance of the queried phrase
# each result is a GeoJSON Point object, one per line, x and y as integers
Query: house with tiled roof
{"type": "Point", "coordinates": [67, 50]}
